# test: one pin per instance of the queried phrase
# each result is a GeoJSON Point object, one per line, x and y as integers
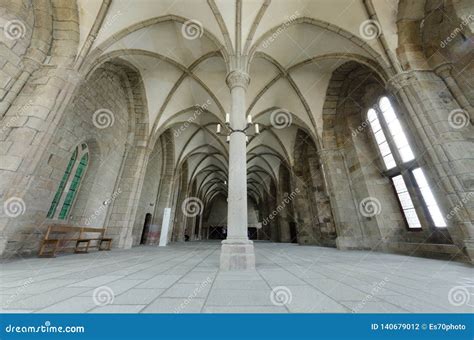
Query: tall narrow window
{"type": "Point", "coordinates": [62, 184]}
{"type": "Point", "coordinates": [69, 185]}
{"type": "Point", "coordinates": [384, 122]}
{"type": "Point", "coordinates": [406, 202]}
{"type": "Point", "coordinates": [396, 130]}
{"type": "Point", "coordinates": [429, 199]}
{"type": "Point", "coordinates": [381, 140]}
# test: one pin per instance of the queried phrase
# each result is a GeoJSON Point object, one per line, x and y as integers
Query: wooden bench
{"type": "Point", "coordinates": [62, 237]}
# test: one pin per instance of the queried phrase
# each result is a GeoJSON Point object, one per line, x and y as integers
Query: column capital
{"type": "Point", "coordinates": [237, 79]}
{"type": "Point", "coordinates": [400, 80]}
{"type": "Point", "coordinates": [444, 70]}
{"type": "Point", "coordinates": [329, 152]}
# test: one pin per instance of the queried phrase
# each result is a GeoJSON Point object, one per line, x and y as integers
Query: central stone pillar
{"type": "Point", "coordinates": [237, 252]}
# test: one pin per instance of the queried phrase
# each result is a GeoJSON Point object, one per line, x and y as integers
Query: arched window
{"type": "Point", "coordinates": [398, 156]}
{"type": "Point", "coordinates": [70, 182]}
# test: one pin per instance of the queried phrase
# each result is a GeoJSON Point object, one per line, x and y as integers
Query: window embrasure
{"type": "Point", "coordinates": [384, 122]}
{"type": "Point", "coordinates": [69, 185]}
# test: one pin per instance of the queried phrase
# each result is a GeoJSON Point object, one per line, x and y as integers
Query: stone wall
{"type": "Point", "coordinates": [355, 171]}
{"type": "Point", "coordinates": [103, 90]}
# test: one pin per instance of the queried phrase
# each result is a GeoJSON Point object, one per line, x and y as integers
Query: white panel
{"type": "Point", "coordinates": [165, 227]}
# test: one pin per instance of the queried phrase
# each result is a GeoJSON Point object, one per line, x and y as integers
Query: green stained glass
{"type": "Point", "coordinates": [62, 184]}
{"type": "Point", "coordinates": [76, 181]}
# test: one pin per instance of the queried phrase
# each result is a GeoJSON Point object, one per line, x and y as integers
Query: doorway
{"type": "Point", "coordinates": [146, 228]}
{"type": "Point", "coordinates": [293, 233]}
{"type": "Point", "coordinates": [217, 232]}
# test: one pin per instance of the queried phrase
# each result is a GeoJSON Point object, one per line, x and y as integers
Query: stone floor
{"type": "Point", "coordinates": [185, 278]}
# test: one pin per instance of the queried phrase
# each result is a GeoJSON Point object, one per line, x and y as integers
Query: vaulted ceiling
{"type": "Point", "coordinates": [184, 49]}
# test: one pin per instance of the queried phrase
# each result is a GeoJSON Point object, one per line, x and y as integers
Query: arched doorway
{"type": "Point", "coordinates": [146, 228]}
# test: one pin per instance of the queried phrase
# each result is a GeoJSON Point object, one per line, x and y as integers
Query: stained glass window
{"type": "Point", "coordinates": [69, 185]}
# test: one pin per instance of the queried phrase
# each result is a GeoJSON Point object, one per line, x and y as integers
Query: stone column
{"type": "Point", "coordinates": [343, 205]}
{"type": "Point", "coordinates": [200, 236]}
{"type": "Point", "coordinates": [237, 250]}
{"type": "Point", "coordinates": [283, 218]}
{"type": "Point", "coordinates": [124, 210]}
{"type": "Point", "coordinates": [445, 72]}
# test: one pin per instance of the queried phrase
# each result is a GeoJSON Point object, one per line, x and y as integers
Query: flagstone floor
{"type": "Point", "coordinates": [184, 278]}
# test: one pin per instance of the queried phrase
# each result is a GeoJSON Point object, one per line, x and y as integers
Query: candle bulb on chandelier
{"type": "Point", "coordinates": [227, 118]}
{"type": "Point", "coordinates": [218, 128]}
{"type": "Point", "coordinates": [249, 119]}
{"type": "Point", "coordinates": [257, 129]}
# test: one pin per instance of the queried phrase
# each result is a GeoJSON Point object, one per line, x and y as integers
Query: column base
{"type": "Point", "coordinates": [356, 243]}
{"type": "Point", "coordinates": [469, 249]}
{"type": "Point", "coordinates": [238, 255]}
